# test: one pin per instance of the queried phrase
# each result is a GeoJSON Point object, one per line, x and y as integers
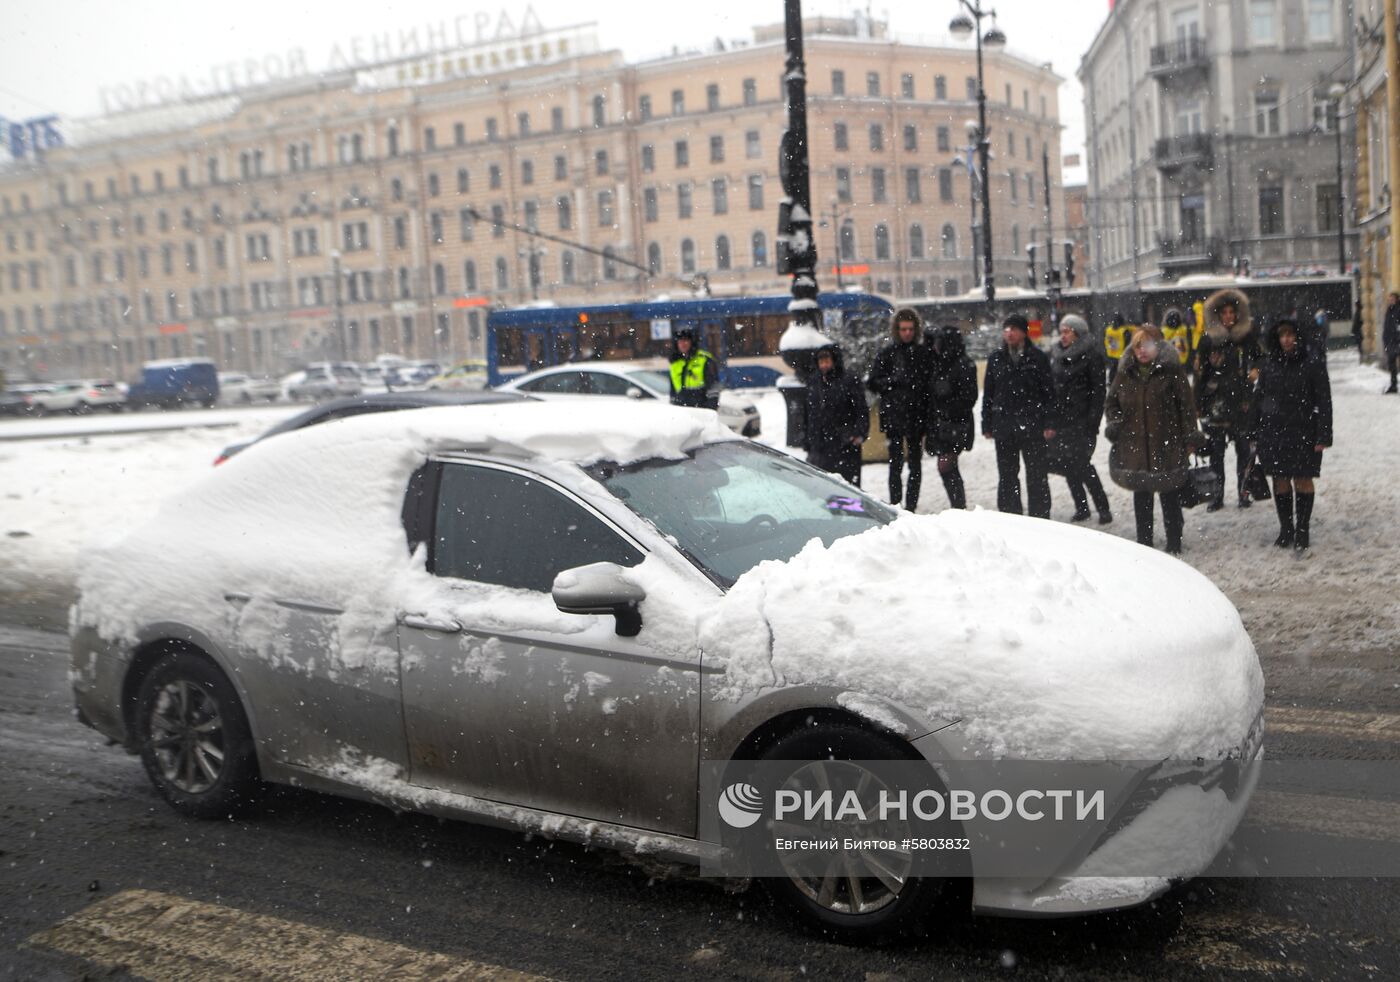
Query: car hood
{"type": "Point", "coordinates": [1046, 641]}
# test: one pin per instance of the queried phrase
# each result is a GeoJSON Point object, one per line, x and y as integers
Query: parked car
{"type": "Point", "coordinates": [14, 401]}
{"type": "Point", "coordinates": [101, 393]}
{"type": "Point", "coordinates": [415, 374]}
{"type": "Point", "coordinates": [243, 389]}
{"type": "Point", "coordinates": [323, 380]}
{"type": "Point", "coordinates": [737, 411]}
{"type": "Point", "coordinates": [72, 397]}
{"type": "Point", "coordinates": [372, 402]}
{"type": "Point", "coordinates": [463, 375]}
{"type": "Point", "coordinates": [175, 382]}
{"type": "Point", "coordinates": [550, 617]}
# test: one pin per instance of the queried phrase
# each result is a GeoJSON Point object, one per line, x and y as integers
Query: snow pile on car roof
{"type": "Point", "coordinates": [1047, 641]}
{"type": "Point", "coordinates": [313, 516]}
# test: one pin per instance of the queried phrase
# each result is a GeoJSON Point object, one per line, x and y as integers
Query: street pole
{"type": "Point", "coordinates": [1341, 194]}
{"type": "Point", "coordinates": [337, 325]}
{"type": "Point", "coordinates": [962, 26]}
{"type": "Point", "coordinates": [1052, 275]}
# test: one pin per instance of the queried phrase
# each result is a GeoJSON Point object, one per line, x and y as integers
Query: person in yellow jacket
{"type": "Point", "coordinates": [694, 373]}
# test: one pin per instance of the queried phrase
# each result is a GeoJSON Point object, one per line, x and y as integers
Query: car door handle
{"type": "Point", "coordinates": [422, 623]}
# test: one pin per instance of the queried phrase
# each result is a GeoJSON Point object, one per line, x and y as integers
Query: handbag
{"type": "Point", "coordinates": [1202, 485]}
{"type": "Point", "coordinates": [1255, 484]}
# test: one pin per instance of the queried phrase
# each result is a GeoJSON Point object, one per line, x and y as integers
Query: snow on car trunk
{"type": "Point", "coordinates": [1047, 641]}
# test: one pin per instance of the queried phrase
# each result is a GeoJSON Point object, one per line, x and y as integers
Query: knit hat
{"type": "Point", "coordinates": [1075, 323]}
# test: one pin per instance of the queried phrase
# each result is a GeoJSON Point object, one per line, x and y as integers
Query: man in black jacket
{"type": "Point", "coordinates": [899, 377]}
{"type": "Point", "coordinates": [1390, 339]}
{"type": "Point", "coordinates": [1018, 397]}
{"type": "Point", "coordinates": [837, 416]}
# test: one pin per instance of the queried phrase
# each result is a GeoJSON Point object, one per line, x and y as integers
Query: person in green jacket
{"type": "Point", "coordinates": [694, 373]}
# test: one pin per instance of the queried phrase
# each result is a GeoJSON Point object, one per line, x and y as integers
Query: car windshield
{"type": "Point", "coordinates": [730, 506]}
{"type": "Point", "coordinates": [657, 382]}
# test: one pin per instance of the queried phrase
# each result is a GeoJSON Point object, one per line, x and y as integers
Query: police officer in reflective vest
{"type": "Point", "coordinates": [694, 374]}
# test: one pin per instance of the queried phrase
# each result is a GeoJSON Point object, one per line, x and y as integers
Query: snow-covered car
{"type": "Point", "coordinates": [555, 618]}
{"type": "Point", "coordinates": [235, 387]}
{"type": "Point", "coordinates": [325, 380]}
{"type": "Point", "coordinates": [736, 411]}
{"type": "Point", "coordinates": [463, 375]}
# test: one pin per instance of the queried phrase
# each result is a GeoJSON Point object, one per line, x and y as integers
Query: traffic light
{"type": "Point", "coordinates": [1030, 273]}
{"type": "Point", "coordinates": [1069, 265]}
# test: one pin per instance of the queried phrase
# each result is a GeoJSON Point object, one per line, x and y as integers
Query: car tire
{"type": "Point", "coordinates": [194, 738]}
{"type": "Point", "coordinates": [245, 399]}
{"type": "Point", "coordinates": [81, 408]}
{"type": "Point", "coordinates": [893, 915]}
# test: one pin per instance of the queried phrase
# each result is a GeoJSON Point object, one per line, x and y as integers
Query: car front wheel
{"type": "Point", "coordinates": [194, 738]}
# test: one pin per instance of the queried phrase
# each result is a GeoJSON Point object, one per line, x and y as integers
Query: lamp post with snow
{"type": "Point", "coordinates": [963, 25]}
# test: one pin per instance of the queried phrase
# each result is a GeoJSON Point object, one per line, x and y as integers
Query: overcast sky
{"type": "Point", "coordinates": [56, 55]}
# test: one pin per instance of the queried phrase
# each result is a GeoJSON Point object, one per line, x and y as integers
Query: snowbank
{"type": "Point", "coordinates": [1038, 636]}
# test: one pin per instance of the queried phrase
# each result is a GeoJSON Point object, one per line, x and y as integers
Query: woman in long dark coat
{"type": "Point", "coordinates": [1152, 423]}
{"type": "Point", "coordinates": [1076, 363]}
{"type": "Point", "coordinates": [1291, 425]}
{"type": "Point", "coordinates": [837, 416]}
{"type": "Point", "coordinates": [952, 394]}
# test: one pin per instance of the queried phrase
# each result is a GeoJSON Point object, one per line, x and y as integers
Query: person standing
{"type": "Point", "coordinates": [1152, 423]}
{"type": "Point", "coordinates": [952, 394]}
{"type": "Point", "coordinates": [1390, 339]}
{"type": "Point", "coordinates": [899, 376]}
{"type": "Point", "coordinates": [1226, 364]}
{"type": "Point", "coordinates": [1076, 365]}
{"type": "Point", "coordinates": [694, 373]}
{"type": "Point", "coordinates": [1291, 424]}
{"type": "Point", "coordinates": [1018, 396]}
{"type": "Point", "coordinates": [837, 416]}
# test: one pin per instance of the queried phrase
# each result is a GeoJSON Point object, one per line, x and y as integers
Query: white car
{"type": "Point", "coordinates": [629, 380]}
{"type": "Point", "coordinates": [74, 397]}
{"type": "Point", "coordinates": [239, 388]}
{"type": "Point", "coordinates": [323, 380]}
{"type": "Point", "coordinates": [463, 375]}
{"type": "Point", "coordinates": [565, 618]}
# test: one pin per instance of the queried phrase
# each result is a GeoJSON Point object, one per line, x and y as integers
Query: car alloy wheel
{"type": "Point", "coordinates": [186, 733]}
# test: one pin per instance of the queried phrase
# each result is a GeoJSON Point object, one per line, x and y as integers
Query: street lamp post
{"type": "Point", "coordinates": [337, 324]}
{"type": "Point", "coordinates": [1335, 94]}
{"type": "Point", "coordinates": [960, 27]}
{"type": "Point", "coordinates": [965, 160]}
{"type": "Point", "coordinates": [834, 217]}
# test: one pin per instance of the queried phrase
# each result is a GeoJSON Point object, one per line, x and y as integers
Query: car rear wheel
{"type": "Point", "coordinates": [194, 738]}
{"type": "Point", "coordinates": [858, 897]}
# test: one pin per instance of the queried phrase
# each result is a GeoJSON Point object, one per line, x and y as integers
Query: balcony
{"type": "Point", "coordinates": [1182, 58]}
{"type": "Point", "coordinates": [1190, 254]}
{"type": "Point", "coordinates": [1174, 152]}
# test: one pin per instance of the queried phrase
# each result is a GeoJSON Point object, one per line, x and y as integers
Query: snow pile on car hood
{"type": "Point", "coordinates": [1047, 641]}
{"type": "Point", "coordinates": [313, 517]}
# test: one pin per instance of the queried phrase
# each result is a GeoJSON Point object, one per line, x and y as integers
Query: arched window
{"type": "Point", "coordinates": [916, 241]}
{"type": "Point", "coordinates": [848, 241]}
{"type": "Point", "coordinates": [1015, 240]}
{"type": "Point", "coordinates": [439, 279]}
{"type": "Point", "coordinates": [566, 266]}
{"type": "Point", "coordinates": [393, 141]}
{"type": "Point", "coordinates": [687, 256]}
{"type": "Point", "coordinates": [722, 252]}
{"type": "Point", "coordinates": [609, 263]}
{"type": "Point", "coordinates": [760, 249]}
{"type": "Point", "coordinates": [463, 180]}
{"type": "Point", "coordinates": [469, 276]}
{"type": "Point", "coordinates": [949, 237]}
{"type": "Point", "coordinates": [654, 258]}
{"type": "Point", "coordinates": [599, 111]}
{"type": "Point", "coordinates": [502, 274]}
{"type": "Point", "coordinates": [882, 242]}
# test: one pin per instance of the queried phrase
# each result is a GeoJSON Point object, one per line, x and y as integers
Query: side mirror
{"type": "Point", "coordinates": [601, 588]}
{"type": "Point", "coordinates": [634, 393]}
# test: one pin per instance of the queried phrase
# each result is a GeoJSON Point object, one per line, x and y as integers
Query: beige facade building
{"type": "Point", "coordinates": [335, 217]}
{"type": "Point", "coordinates": [1375, 98]}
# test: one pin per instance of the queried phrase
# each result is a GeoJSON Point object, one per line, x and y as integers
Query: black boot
{"type": "Point", "coordinates": [1081, 501]}
{"type": "Point", "coordinates": [953, 484]}
{"type": "Point", "coordinates": [1142, 511]}
{"type": "Point", "coordinates": [1096, 492]}
{"type": "Point", "coordinates": [1300, 536]}
{"type": "Point", "coordinates": [1284, 503]}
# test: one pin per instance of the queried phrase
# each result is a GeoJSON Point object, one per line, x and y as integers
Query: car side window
{"type": "Point", "coordinates": [499, 527]}
{"type": "Point", "coordinates": [558, 382]}
{"type": "Point", "coordinates": [602, 384]}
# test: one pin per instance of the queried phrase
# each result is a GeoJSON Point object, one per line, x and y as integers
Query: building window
{"type": "Point", "coordinates": [644, 107]}
{"type": "Point", "coordinates": [532, 215]}
{"type": "Point", "coordinates": [918, 288]}
{"type": "Point", "coordinates": [719, 189]}
{"type": "Point", "coordinates": [949, 242]}
{"type": "Point", "coordinates": [566, 266]}
{"type": "Point", "coordinates": [872, 83]}
{"type": "Point", "coordinates": [1263, 21]}
{"type": "Point", "coordinates": [565, 208]}
{"type": "Point", "coordinates": [654, 258]}
{"type": "Point", "coordinates": [469, 276]}
{"type": "Point", "coordinates": [600, 162]}
{"type": "Point", "coordinates": [463, 181]}
{"type": "Point", "coordinates": [716, 149]}
{"type": "Point", "coordinates": [650, 209]}
{"type": "Point", "coordinates": [494, 177]}
{"type": "Point", "coordinates": [838, 82]}
{"type": "Point", "coordinates": [502, 274]}
{"type": "Point", "coordinates": [1271, 211]}
{"type": "Point", "coordinates": [1324, 112]}
{"type": "Point", "coordinates": [906, 86]}
{"type": "Point", "coordinates": [911, 137]}
{"type": "Point", "coordinates": [605, 208]}
{"type": "Point", "coordinates": [1015, 240]}
{"type": "Point", "coordinates": [841, 136]}
{"type": "Point", "coordinates": [940, 88]}
{"type": "Point", "coordinates": [561, 168]}
{"type": "Point", "coordinates": [945, 143]}
{"type": "Point", "coordinates": [759, 245]}
{"type": "Point", "coordinates": [493, 129]}
{"type": "Point", "coordinates": [459, 134]}
{"type": "Point", "coordinates": [1013, 185]}
{"type": "Point", "coordinates": [877, 185]}
{"type": "Point", "coordinates": [1266, 113]}
{"type": "Point", "coordinates": [712, 97]}
{"type": "Point", "coordinates": [877, 137]}
{"type": "Point", "coordinates": [429, 138]}
{"type": "Point", "coordinates": [971, 89]}
{"type": "Point", "coordinates": [466, 219]}
{"type": "Point", "coordinates": [753, 147]}
{"type": "Point", "coordinates": [882, 242]}
{"type": "Point", "coordinates": [609, 263]}
{"type": "Point", "coordinates": [648, 158]}
{"type": "Point", "coordinates": [687, 256]}
{"type": "Point", "coordinates": [722, 257]}
{"type": "Point", "coordinates": [1010, 144]}
{"type": "Point", "coordinates": [677, 102]}
{"type": "Point", "coordinates": [498, 221]}
{"type": "Point", "coordinates": [843, 184]}
{"type": "Point", "coordinates": [522, 123]}
{"type": "Point", "coordinates": [684, 203]}
{"type": "Point", "coordinates": [945, 184]}
{"type": "Point", "coordinates": [755, 192]}
{"type": "Point", "coordinates": [1329, 208]}
{"type": "Point", "coordinates": [1008, 93]}
{"type": "Point", "coordinates": [600, 115]}
{"type": "Point", "coordinates": [912, 192]}
{"type": "Point", "coordinates": [527, 172]}
{"type": "Point", "coordinates": [434, 186]}
{"type": "Point", "coordinates": [916, 241]}
{"type": "Point", "coordinates": [950, 287]}
{"type": "Point", "coordinates": [434, 225]}
{"type": "Point", "coordinates": [847, 239]}
{"type": "Point", "coordinates": [750, 92]}
{"type": "Point", "coordinates": [556, 119]}
{"type": "Point", "coordinates": [682, 153]}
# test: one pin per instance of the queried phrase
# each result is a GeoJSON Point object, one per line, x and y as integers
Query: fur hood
{"type": "Point", "coordinates": [907, 314]}
{"type": "Point", "coordinates": [1167, 357]}
{"type": "Point", "coordinates": [1083, 344]}
{"type": "Point", "coordinates": [1243, 324]}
